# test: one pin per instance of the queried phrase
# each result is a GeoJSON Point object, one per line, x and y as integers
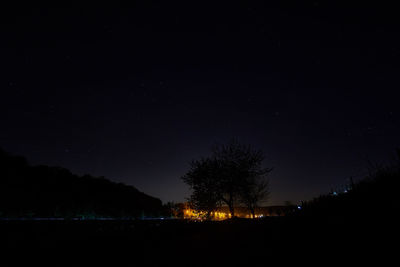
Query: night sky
{"type": "Point", "coordinates": [134, 93]}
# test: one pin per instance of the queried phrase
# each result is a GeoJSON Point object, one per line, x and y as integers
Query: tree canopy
{"type": "Point", "coordinates": [232, 175]}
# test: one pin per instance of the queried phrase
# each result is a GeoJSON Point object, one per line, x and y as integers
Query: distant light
{"type": "Point", "coordinates": [334, 193]}
{"type": "Point", "coordinates": [299, 207]}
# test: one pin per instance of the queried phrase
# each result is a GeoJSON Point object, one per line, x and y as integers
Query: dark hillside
{"type": "Point", "coordinates": [43, 191]}
{"type": "Point", "coordinates": [373, 199]}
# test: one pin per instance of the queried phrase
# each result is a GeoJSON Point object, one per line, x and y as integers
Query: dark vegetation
{"type": "Point", "coordinates": [232, 175]}
{"type": "Point", "coordinates": [356, 226]}
{"type": "Point", "coordinates": [42, 191]}
{"type": "Point", "coordinates": [374, 198]}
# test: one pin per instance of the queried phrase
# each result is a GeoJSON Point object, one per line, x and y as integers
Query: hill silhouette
{"type": "Point", "coordinates": [349, 226]}
{"type": "Point", "coordinates": [373, 199]}
{"type": "Point", "coordinates": [43, 191]}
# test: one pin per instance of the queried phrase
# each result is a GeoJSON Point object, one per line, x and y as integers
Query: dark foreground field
{"type": "Point", "coordinates": [184, 243]}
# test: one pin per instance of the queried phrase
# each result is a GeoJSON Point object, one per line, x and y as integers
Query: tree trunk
{"type": "Point", "coordinates": [231, 210]}
{"type": "Point", "coordinates": [230, 202]}
{"type": "Point", "coordinates": [253, 214]}
{"type": "Point", "coordinates": [208, 216]}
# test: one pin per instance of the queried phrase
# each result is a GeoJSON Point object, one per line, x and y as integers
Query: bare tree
{"type": "Point", "coordinates": [233, 174]}
{"type": "Point", "coordinates": [254, 193]}
{"type": "Point", "coordinates": [204, 183]}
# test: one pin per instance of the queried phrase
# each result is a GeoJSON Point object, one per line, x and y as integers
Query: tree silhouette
{"type": "Point", "coordinates": [203, 180]}
{"type": "Point", "coordinates": [254, 192]}
{"type": "Point", "coordinates": [243, 175]}
{"type": "Point", "coordinates": [233, 174]}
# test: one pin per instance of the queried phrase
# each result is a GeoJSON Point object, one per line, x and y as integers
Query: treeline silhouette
{"type": "Point", "coordinates": [349, 226]}
{"type": "Point", "coordinates": [372, 198]}
{"type": "Point", "coordinates": [43, 191]}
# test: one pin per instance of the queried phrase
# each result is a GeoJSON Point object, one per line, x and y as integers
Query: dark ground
{"type": "Point", "coordinates": [183, 243]}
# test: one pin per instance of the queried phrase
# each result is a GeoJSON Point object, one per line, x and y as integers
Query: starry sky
{"type": "Point", "coordinates": [133, 93]}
